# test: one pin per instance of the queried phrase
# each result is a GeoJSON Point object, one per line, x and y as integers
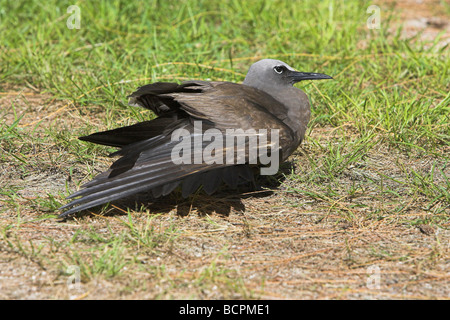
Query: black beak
{"type": "Point", "coordinates": [299, 76]}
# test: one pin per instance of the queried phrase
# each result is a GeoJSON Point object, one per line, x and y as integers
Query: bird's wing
{"type": "Point", "coordinates": [150, 95]}
{"type": "Point", "coordinates": [148, 164]}
{"type": "Point", "coordinates": [227, 105]}
{"type": "Point", "coordinates": [140, 131]}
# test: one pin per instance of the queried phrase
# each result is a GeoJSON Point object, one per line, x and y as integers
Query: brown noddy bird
{"type": "Point", "coordinates": [266, 99]}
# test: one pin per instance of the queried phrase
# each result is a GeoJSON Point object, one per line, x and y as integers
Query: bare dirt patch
{"type": "Point", "coordinates": [424, 19]}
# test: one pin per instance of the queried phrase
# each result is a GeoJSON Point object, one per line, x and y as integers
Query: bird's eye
{"type": "Point", "coordinates": [278, 69]}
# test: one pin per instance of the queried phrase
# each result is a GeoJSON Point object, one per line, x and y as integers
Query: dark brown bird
{"type": "Point", "coordinates": [198, 114]}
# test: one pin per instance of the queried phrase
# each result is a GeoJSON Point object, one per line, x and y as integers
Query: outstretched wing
{"type": "Point", "coordinates": [146, 161]}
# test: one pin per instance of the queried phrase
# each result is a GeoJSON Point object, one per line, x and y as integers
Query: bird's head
{"type": "Point", "coordinates": [275, 73]}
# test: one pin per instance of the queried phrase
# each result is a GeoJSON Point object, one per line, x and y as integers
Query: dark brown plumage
{"type": "Point", "coordinates": [266, 100]}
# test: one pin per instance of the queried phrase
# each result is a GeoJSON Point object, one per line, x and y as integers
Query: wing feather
{"type": "Point", "coordinates": [145, 162]}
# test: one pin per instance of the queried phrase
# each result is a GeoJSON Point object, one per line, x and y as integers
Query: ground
{"type": "Point", "coordinates": [352, 217]}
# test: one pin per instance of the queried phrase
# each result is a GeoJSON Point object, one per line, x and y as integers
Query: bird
{"type": "Point", "coordinates": [189, 111]}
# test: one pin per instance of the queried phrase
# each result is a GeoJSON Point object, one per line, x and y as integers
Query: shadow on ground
{"type": "Point", "coordinates": [223, 202]}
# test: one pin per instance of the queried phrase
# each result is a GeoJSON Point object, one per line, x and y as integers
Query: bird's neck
{"type": "Point", "coordinates": [298, 108]}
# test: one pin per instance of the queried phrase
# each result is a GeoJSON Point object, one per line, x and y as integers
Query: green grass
{"type": "Point", "coordinates": [378, 145]}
